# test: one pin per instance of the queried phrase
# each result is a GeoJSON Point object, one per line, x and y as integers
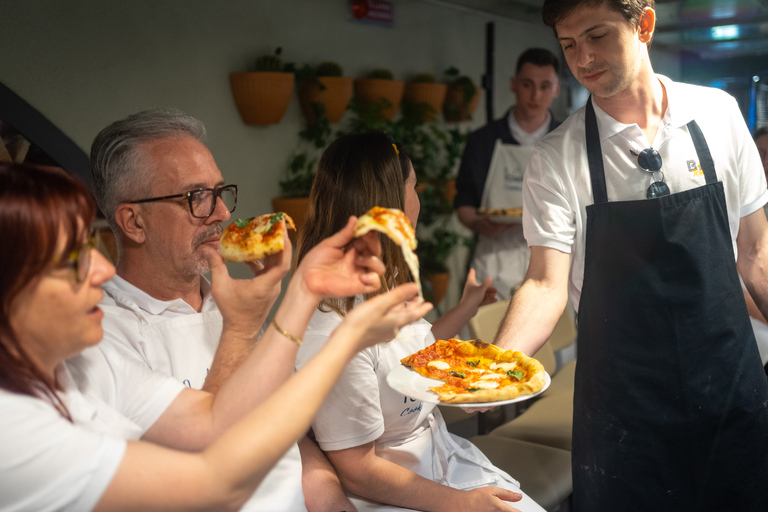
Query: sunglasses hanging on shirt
{"type": "Point", "coordinates": [650, 161]}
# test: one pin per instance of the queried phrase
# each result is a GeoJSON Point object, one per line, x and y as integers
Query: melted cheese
{"type": "Point", "coordinates": [440, 365]}
{"type": "Point", "coordinates": [486, 384]}
{"type": "Point", "coordinates": [503, 366]}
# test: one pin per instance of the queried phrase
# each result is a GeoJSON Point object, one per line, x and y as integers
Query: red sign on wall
{"type": "Point", "coordinates": [377, 12]}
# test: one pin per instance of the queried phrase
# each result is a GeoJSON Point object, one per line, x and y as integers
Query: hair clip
{"type": "Point", "coordinates": [392, 141]}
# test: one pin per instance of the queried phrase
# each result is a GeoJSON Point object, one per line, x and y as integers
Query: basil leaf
{"type": "Point", "coordinates": [274, 219]}
{"type": "Point", "coordinates": [473, 363]}
{"type": "Point", "coordinates": [516, 374]}
{"type": "Point", "coordinates": [241, 223]}
{"type": "Point", "coordinates": [459, 375]}
{"type": "Point", "coordinates": [473, 389]}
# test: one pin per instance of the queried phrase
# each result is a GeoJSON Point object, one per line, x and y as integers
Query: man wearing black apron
{"type": "Point", "coordinates": [633, 206]}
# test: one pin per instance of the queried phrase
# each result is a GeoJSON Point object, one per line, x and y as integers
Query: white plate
{"type": "Point", "coordinates": [414, 385]}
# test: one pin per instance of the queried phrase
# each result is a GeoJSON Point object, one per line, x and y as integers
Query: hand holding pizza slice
{"type": "Point", "coordinates": [393, 223]}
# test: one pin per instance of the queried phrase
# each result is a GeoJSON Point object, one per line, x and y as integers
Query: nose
{"type": "Point", "coordinates": [101, 269]}
{"type": "Point", "coordinates": [220, 212]}
{"type": "Point", "coordinates": [583, 55]}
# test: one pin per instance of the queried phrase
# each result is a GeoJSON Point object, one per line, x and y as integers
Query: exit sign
{"type": "Point", "coordinates": [376, 12]}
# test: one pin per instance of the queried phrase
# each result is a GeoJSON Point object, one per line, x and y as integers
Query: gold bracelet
{"type": "Point", "coordinates": [285, 333]}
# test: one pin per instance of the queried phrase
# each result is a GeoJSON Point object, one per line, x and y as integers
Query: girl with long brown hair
{"type": "Point", "coordinates": [389, 449]}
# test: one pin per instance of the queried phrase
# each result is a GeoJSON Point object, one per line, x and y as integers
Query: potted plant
{"type": "Point", "coordinates": [462, 97]}
{"type": "Point", "coordinates": [325, 86]}
{"type": "Point", "coordinates": [262, 95]}
{"type": "Point", "coordinates": [424, 97]}
{"type": "Point", "coordinates": [380, 91]}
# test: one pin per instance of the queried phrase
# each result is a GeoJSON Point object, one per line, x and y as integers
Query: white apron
{"type": "Point", "coordinates": [504, 258]}
{"type": "Point", "coordinates": [165, 345]}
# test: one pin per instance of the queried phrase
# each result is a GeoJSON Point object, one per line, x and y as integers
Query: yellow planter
{"type": "Point", "coordinates": [372, 90]}
{"type": "Point", "coordinates": [262, 97]}
{"type": "Point", "coordinates": [431, 94]}
{"type": "Point", "coordinates": [335, 93]}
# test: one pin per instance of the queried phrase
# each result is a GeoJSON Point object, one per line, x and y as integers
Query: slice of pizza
{"type": "Point", "coordinates": [475, 371]}
{"type": "Point", "coordinates": [252, 239]}
{"type": "Point", "coordinates": [393, 223]}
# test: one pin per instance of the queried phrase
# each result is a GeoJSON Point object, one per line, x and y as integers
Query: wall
{"type": "Point", "coordinates": [84, 64]}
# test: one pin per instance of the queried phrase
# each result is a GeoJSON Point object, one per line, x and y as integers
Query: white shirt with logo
{"type": "Point", "coordinates": [557, 187]}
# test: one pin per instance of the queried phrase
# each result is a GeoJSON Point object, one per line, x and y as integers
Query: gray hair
{"type": "Point", "coordinates": [118, 164]}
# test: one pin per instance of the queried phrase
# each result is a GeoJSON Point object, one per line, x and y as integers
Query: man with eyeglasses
{"type": "Point", "coordinates": [165, 199]}
{"type": "Point", "coordinates": [640, 207]}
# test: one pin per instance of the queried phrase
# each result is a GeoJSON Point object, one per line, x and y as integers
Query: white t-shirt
{"type": "Point", "coordinates": [523, 137]}
{"type": "Point", "coordinates": [48, 463]}
{"type": "Point", "coordinates": [557, 187]}
{"type": "Point", "coordinates": [171, 338]}
{"type": "Point", "coordinates": [362, 408]}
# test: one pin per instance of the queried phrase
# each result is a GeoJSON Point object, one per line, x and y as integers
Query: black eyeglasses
{"type": "Point", "coordinates": [202, 202]}
{"type": "Point", "coordinates": [650, 161]}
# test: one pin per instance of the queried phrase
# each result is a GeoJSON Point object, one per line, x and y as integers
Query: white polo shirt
{"type": "Point", "coordinates": [557, 188]}
{"type": "Point", "coordinates": [172, 339]}
{"type": "Point", "coordinates": [50, 463]}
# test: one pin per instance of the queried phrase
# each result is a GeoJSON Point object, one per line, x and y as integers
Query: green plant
{"type": "Point", "coordinates": [434, 251]}
{"type": "Point", "coordinates": [271, 62]}
{"type": "Point", "coordinates": [381, 73]}
{"type": "Point", "coordinates": [423, 78]}
{"type": "Point", "coordinates": [302, 166]}
{"type": "Point", "coordinates": [465, 83]}
{"type": "Point", "coordinates": [328, 69]}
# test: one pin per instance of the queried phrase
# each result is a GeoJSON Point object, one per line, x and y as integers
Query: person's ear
{"type": "Point", "coordinates": [131, 221]}
{"type": "Point", "coordinates": [646, 25]}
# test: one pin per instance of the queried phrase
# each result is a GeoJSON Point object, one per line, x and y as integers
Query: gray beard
{"type": "Point", "coordinates": [201, 266]}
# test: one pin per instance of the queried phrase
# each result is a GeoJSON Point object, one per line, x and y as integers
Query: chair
{"type": "Point", "coordinates": [544, 472]}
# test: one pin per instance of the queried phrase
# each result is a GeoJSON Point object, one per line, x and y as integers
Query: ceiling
{"type": "Point", "coordinates": [709, 29]}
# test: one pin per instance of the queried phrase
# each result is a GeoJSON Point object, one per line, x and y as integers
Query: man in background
{"type": "Point", "coordinates": [492, 169]}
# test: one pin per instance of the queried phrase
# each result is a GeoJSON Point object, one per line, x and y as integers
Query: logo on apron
{"type": "Point", "coordinates": [695, 168]}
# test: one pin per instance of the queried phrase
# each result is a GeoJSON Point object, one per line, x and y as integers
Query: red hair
{"type": "Point", "coordinates": [37, 207]}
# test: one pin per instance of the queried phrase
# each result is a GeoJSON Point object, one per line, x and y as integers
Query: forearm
{"type": "Point", "coordinates": [319, 481]}
{"type": "Point", "coordinates": [468, 216]}
{"type": "Point", "coordinates": [538, 304]}
{"type": "Point", "coordinates": [752, 262]}
{"type": "Point", "coordinates": [383, 481]}
{"type": "Point", "coordinates": [270, 363]}
{"type": "Point", "coordinates": [449, 324]}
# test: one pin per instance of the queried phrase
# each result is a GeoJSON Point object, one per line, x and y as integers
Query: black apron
{"type": "Point", "coordinates": [671, 403]}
